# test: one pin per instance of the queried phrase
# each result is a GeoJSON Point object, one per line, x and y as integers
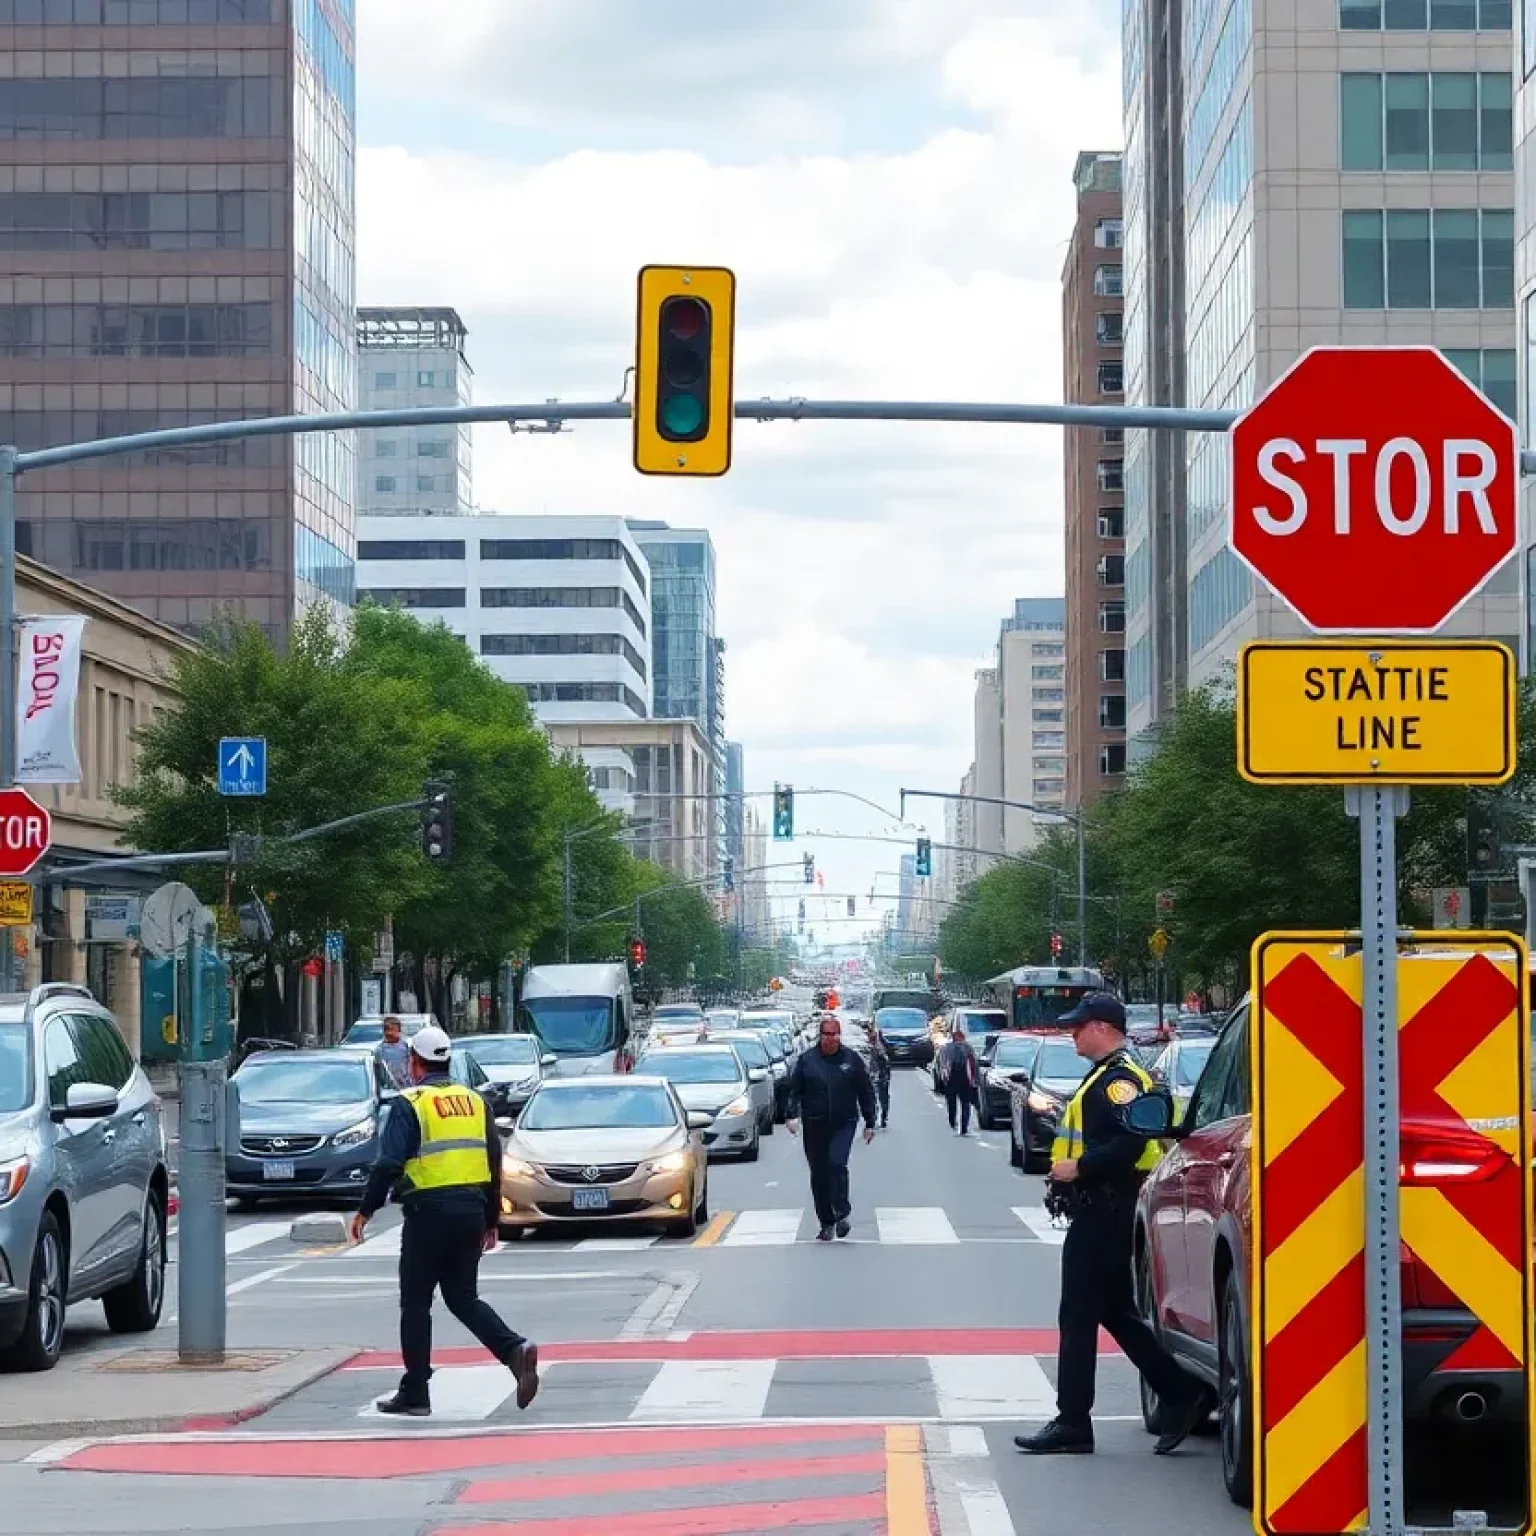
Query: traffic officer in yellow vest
{"type": "Point", "coordinates": [1097, 1166]}
{"type": "Point", "coordinates": [441, 1151]}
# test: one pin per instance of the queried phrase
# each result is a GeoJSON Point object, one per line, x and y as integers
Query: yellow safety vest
{"type": "Point", "coordinates": [452, 1151]}
{"type": "Point", "coordinates": [1069, 1132]}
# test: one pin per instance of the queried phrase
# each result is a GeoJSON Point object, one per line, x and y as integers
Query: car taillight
{"type": "Point", "coordinates": [1447, 1157]}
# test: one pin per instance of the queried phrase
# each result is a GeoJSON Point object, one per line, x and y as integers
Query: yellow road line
{"type": "Point", "coordinates": [906, 1483]}
{"type": "Point", "coordinates": [715, 1230]}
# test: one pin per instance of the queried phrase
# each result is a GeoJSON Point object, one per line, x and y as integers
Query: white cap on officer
{"type": "Point", "coordinates": [432, 1045]}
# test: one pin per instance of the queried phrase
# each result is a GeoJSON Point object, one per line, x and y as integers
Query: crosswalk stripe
{"type": "Point", "coordinates": [711, 1389]}
{"type": "Point", "coordinates": [385, 1246]}
{"type": "Point", "coordinates": [763, 1229]}
{"type": "Point", "coordinates": [914, 1224]}
{"type": "Point", "coordinates": [467, 1393]}
{"type": "Point", "coordinates": [617, 1244]}
{"type": "Point", "coordinates": [1035, 1218]}
{"type": "Point", "coordinates": [253, 1235]}
{"type": "Point", "coordinates": [991, 1386]}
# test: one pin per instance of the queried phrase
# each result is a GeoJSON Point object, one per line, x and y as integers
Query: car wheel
{"type": "Point", "coordinates": [701, 1211]}
{"type": "Point", "coordinates": [768, 1124]}
{"type": "Point", "coordinates": [1234, 1400]}
{"type": "Point", "coordinates": [750, 1155]}
{"type": "Point", "coordinates": [134, 1307]}
{"type": "Point", "coordinates": [1153, 1415]}
{"type": "Point", "coordinates": [42, 1333]}
{"type": "Point", "coordinates": [984, 1121]}
{"type": "Point", "coordinates": [1015, 1151]}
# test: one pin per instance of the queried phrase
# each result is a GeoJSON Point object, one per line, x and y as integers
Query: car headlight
{"type": "Point", "coordinates": [518, 1168]}
{"type": "Point", "coordinates": [1042, 1103]}
{"type": "Point", "coordinates": [737, 1106]}
{"type": "Point", "coordinates": [356, 1135]}
{"type": "Point", "coordinates": [673, 1162]}
{"type": "Point", "coordinates": [12, 1176]}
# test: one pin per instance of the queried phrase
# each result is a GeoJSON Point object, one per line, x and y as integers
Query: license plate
{"type": "Point", "coordinates": [589, 1199]}
{"type": "Point", "coordinates": [282, 1169]}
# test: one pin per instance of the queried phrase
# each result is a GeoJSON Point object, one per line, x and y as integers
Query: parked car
{"type": "Point", "coordinates": [1178, 1067]}
{"type": "Point", "coordinates": [905, 1031]}
{"type": "Point", "coordinates": [1038, 1098]}
{"type": "Point", "coordinates": [779, 1060]}
{"type": "Point", "coordinates": [368, 1032]}
{"type": "Point", "coordinates": [1006, 1060]}
{"type": "Point", "coordinates": [84, 1187]}
{"type": "Point", "coordinates": [512, 1061]}
{"type": "Point", "coordinates": [1144, 1027]}
{"type": "Point", "coordinates": [616, 1149]}
{"type": "Point", "coordinates": [714, 1079]}
{"type": "Point", "coordinates": [677, 1013]}
{"type": "Point", "coordinates": [753, 1050]}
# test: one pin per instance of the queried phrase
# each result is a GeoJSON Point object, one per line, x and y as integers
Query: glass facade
{"type": "Point", "coordinates": [1426, 122]}
{"type": "Point", "coordinates": [1429, 258]}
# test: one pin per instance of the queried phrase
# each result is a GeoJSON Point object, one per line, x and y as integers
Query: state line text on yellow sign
{"type": "Point", "coordinates": [1385, 712]}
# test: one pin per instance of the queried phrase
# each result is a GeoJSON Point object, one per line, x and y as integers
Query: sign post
{"type": "Point", "coordinates": [1375, 490]}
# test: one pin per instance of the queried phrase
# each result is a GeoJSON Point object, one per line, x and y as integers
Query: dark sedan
{"type": "Point", "coordinates": [906, 1036]}
{"type": "Point", "coordinates": [1038, 1097]}
{"type": "Point", "coordinates": [1006, 1061]}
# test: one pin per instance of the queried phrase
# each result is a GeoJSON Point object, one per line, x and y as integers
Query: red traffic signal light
{"type": "Point", "coordinates": [1055, 946]}
{"type": "Point", "coordinates": [637, 952]}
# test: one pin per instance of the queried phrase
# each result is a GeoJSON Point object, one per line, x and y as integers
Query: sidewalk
{"type": "Point", "coordinates": [144, 1391]}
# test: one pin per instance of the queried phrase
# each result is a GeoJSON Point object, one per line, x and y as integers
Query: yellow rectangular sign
{"type": "Point", "coordinates": [1376, 712]}
{"type": "Point", "coordinates": [15, 904]}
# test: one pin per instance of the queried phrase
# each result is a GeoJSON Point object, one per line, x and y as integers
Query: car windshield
{"type": "Point", "coordinates": [302, 1082]}
{"type": "Point", "coordinates": [678, 1011]}
{"type": "Point", "coordinates": [364, 1034]}
{"type": "Point", "coordinates": [504, 1050]}
{"type": "Point", "coordinates": [902, 1020]}
{"type": "Point", "coordinates": [1015, 1053]}
{"type": "Point", "coordinates": [751, 1050]}
{"type": "Point", "coordinates": [1059, 1062]}
{"type": "Point", "coordinates": [15, 1068]}
{"type": "Point", "coordinates": [1189, 1062]}
{"type": "Point", "coordinates": [978, 1021]}
{"type": "Point", "coordinates": [572, 1026]}
{"type": "Point", "coordinates": [616, 1106]}
{"type": "Point", "coordinates": [691, 1066]}
{"type": "Point", "coordinates": [772, 1043]}
{"type": "Point", "coordinates": [722, 1016]}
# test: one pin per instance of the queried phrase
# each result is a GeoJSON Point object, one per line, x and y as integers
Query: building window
{"type": "Point", "coordinates": [1110, 435]}
{"type": "Point", "coordinates": [563, 645]}
{"type": "Point", "coordinates": [1111, 474]}
{"type": "Point", "coordinates": [1109, 327]}
{"type": "Point", "coordinates": [437, 448]}
{"type": "Point", "coordinates": [1109, 234]}
{"type": "Point", "coordinates": [383, 483]}
{"type": "Point", "coordinates": [1492, 369]}
{"type": "Point", "coordinates": [135, 330]}
{"type": "Point", "coordinates": [1048, 696]}
{"type": "Point", "coordinates": [414, 597]}
{"type": "Point", "coordinates": [585, 693]}
{"type": "Point", "coordinates": [1045, 674]}
{"type": "Point", "coordinates": [425, 484]}
{"type": "Point", "coordinates": [1049, 741]}
{"type": "Point", "coordinates": [1112, 618]}
{"type": "Point", "coordinates": [1047, 716]}
{"type": "Point", "coordinates": [1424, 15]}
{"type": "Point", "coordinates": [562, 597]}
{"type": "Point", "coordinates": [1107, 281]}
{"type": "Point", "coordinates": [1111, 522]}
{"type": "Point", "coordinates": [1111, 711]}
{"type": "Point", "coordinates": [1111, 569]}
{"type": "Point", "coordinates": [410, 549]}
{"type": "Point", "coordinates": [383, 448]}
{"type": "Point", "coordinates": [1219, 591]}
{"type": "Point", "coordinates": [1426, 122]}
{"type": "Point", "coordinates": [1039, 652]}
{"type": "Point", "coordinates": [1049, 786]}
{"type": "Point", "coordinates": [174, 544]}
{"type": "Point", "coordinates": [192, 105]}
{"type": "Point", "coordinates": [1111, 379]}
{"type": "Point", "coordinates": [426, 379]}
{"type": "Point", "coordinates": [563, 549]}
{"type": "Point", "coordinates": [1112, 666]}
{"type": "Point", "coordinates": [1112, 759]}
{"type": "Point", "coordinates": [1416, 258]}
{"type": "Point", "coordinates": [383, 381]}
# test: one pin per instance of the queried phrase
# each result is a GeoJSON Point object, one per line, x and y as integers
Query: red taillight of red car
{"type": "Point", "coordinates": [1447, 1156]}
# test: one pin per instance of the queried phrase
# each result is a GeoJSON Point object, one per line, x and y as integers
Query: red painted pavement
{"type": "Point", "coordinates": [648, 1479]}
{"type": "Point", "coordinates": [788, 1515]}
{"type": "Point", "coordinates": [415, 1455]}
{"type": "Point", "coordinates": [800, 1345]}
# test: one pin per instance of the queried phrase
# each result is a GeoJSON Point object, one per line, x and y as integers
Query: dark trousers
{"type": "Point", "coordinates": [883, 1094]}
{"type": "Point", "coordinates": [958, 1092]}
{"type": "Point", "coordinates": [826, 1149]}
{"type": "Point", "coordinates": [440, 1249]}
{"type": "Point", "coordinates": [1096, 1292]}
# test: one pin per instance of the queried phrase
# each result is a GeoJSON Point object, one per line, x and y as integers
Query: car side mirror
{"type": "Point", "coordinates": [504, 1125]}
{"type": "Point", "coordinates": [1150, 1115]}
{"type": "Point", "coordinates": [86, 1101]}
{"type": "Point", "coordinates": [757, 1075]}
{"type": "Point", "coordinates": [700, 1120]}
{"type": "Point", "coordinates": [549, 1059]}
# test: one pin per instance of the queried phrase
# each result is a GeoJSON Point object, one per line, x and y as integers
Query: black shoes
{"type": "Point", "coordinates": [524, 1365]}
{"type": "Point", "coordinates": [825, 1235]}
{"type": "Point", "coordinates": [1182, 1420]}
{"type": "Point", "coordinates": [1057, 1439]}
{"type": "Point", "coordinates": [842, 1227]}
{"type": "Point", "coordinates": [404, 1407]}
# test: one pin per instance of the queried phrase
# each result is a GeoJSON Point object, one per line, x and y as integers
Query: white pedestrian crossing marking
{"type": "Point", "coordinates": [914, 1224]}
{"type": "Point", "coordinates": [253, 1235]}
{"type": "Point", "coordinates": [967, 1440]}
{"type": "Point", "coordinates": [616, 1244]}
{"type": "Point", "coordinates": [1035, 1218]}
{"type": "Point", "coordinates": [986, 1512]}
{"type": "Point", "coordinates": [385, 1246]}
{"type": "Point", "coordinates": [991, 1387]}
{"type": "Point", "coordinates": [763, 1229]}
{"type": "Point", "coordinates": [465, 1393]}
{"type": "Point", "coordinates": [708, 1389]}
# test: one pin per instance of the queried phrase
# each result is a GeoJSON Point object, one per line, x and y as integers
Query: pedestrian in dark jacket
{"type": "Point", "coordinates": [960, 1075]}
{"type": "Point", "coordinates": [829, 1087]}
{"type": "Point", "coordinates": [880, 1071]}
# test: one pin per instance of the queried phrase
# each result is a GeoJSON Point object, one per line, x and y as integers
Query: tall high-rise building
{"type": "Point", "coordinates": [735, 807]}
{"type": "Point", "coordinates": [176, 246]}
{"type": "Point", "coordinates": [1296, 172]}
{"type": "Point", "coordinates": [1092, 339]}
{"type": "Point", "coordinates": [1031, 681]}
{"type": "Point", "coordinates": [412, 359]}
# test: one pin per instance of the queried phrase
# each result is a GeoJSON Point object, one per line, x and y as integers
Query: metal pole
{"type": "Point", "coordinates": [1378, 810]}
{"type": "Point", "coordinates": [7, 667]}
{"type": "Point", "coordinates": [570, 913]}
{"type": "Point", "coordinates": [1082, 889]}
{"type": "Point", "coordinates": [200, 1273]}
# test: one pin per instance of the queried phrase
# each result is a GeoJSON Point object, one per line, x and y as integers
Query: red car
{"type": "Point", "coordinates": [1191, 1269]}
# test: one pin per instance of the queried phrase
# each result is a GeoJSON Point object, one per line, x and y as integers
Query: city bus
{"type": "Point", "coordinates": [1035, 996]}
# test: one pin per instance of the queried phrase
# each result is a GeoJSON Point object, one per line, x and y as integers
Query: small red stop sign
{"type": "Point", "coordinates": [26, 829]}
{"type": "Point", "coordinates": [1374, 489]}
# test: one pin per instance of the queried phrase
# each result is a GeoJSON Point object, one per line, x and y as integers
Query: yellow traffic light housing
{"type": "Point", "coordinates": [684, 400]}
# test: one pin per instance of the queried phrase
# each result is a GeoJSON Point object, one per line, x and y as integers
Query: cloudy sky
{"type": "Point", "coordinates": [891, 181]}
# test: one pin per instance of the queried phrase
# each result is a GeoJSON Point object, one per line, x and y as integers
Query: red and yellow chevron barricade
{"type": "Point", "coordinates": [1465, 1205]}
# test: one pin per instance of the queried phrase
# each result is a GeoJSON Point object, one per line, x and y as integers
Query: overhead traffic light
{"type": "Point", "coordinates": [729, 875]}
{"type": "Point", "coordinates": [809, 864]}
{"type": "Point", "coordinates": [851, 906]}
{"type": "Point", "coordinates": [437, 822]}
{"type": "Point", "coordinates": [924, 856]}
{"type": "Point", "coordinates": [637, 953]}
{"type": "Point", "coordinates": [683, 390]}
{"type": "Point", "coordinates": [783, 813]}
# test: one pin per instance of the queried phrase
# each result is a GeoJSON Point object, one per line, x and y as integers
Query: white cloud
{"type": "Point", "coordinates": [863, 569]}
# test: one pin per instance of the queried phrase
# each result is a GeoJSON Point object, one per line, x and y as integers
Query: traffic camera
{"type": "Point", "coordinates": [683, 389]}
{"type": "Point", "coordinates": [924, 856]}
{"type": "Point", "coordinates": [783, 813]}
{"type": "Point", "coordinates": [437, 822]}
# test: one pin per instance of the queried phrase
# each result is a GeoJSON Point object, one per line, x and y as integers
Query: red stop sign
{"type": "Point", "coordinates": [1374, 489]}
{"type": "Point", "coordinates": [26, 829]}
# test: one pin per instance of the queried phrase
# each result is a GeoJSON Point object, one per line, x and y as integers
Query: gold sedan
{"type": "Point", "coordinates": [619, 1149]}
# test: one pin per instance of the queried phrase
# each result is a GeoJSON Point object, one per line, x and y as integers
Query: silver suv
{"type": "Point", "coordinates": [83, 1183]}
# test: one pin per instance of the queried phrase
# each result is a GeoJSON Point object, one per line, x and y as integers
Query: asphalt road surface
{"type": "Point", "coordinates": [750, 1379]}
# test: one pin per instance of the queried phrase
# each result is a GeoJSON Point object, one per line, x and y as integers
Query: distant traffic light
{"type": "Point", "coordinates": [637, 953]}
{"type": "Point", "coordinates": [783, 813]}
{"type": "Point", "coordinates": [437, 822]}
{"type": "Point", "coordinates": [851, 906]}
{"type": "Point", "coordinates": [683, 389]}
{"type": "Point", "coordinates": [1055, 946]}
{"type": "Point", "coordinates": [809, 863]}
{"type": "Point", "coordinates": [729, 875]}
{"type": "Point", "coordinates": [924, 856]}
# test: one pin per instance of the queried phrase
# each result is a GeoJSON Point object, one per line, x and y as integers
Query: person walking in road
{"type": "Point", "coordinates": [1097, 1166]}
{"type": "Point", "coordinates": [829, 1088]}
{"type": "Point", "coordinates": [440, 1145]}
{"type": "Point", "coordinates": [394, 1055]}
{"type": "Point", "coordinates": [880, 1071]}
{"type": "Point", "coordinates": [960, 1074]}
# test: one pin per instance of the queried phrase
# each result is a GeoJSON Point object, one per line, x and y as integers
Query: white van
{"type": "Point", "coordinates": [583, 1014]}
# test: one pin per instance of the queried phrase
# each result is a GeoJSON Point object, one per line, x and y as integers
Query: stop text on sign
{"type": "Point", "coordinates": [1384, 712]}
{"type": "Point", "coordinates": [24, 832]}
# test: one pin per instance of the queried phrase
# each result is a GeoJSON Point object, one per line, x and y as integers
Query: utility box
{"type": "Point", "coordinates": [159, 1023]}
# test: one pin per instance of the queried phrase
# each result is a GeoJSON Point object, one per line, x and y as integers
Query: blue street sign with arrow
{"type": "Point", "coordinates": [243, 765]}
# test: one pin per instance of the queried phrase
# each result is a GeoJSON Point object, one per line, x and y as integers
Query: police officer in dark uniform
{"type": "Point", "coordinates": [441, 1148]}
{"type": "Point", "coordinates": [1097, 1167]}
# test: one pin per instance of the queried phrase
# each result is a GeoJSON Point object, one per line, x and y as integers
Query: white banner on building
{"type": "Point", "coordinates": [48, 682]}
